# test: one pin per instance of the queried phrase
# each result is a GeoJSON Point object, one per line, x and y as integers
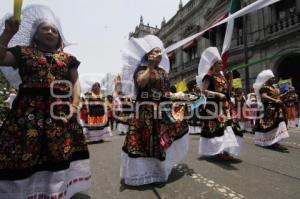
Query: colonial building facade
{"type": "Point", "coordinates": [272, 38]}
{"type": "Point", "coordinates": [142, 30]}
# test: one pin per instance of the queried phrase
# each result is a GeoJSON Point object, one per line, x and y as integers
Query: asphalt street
{"type": "Point", "coordinates": [258, 173]}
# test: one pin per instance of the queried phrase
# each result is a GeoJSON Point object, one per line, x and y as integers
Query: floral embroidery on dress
{"type": "Point", "coordinates": [30, 138]}
{"type": "Point", "coordinates": [273, 114]}
{"type": "Point", "coordinates": [147, 135]}
{"type": "Point", "coordinates": [215, 126]}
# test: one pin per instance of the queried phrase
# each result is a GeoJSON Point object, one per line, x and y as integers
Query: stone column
{"type": "Point", "coordinates": [298, 6]}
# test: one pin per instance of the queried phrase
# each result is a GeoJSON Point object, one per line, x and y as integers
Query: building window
{"type": "Point", "coordinates": [172, 58]}
{"type": "Point", "coordinates": [238, 26]}
{"type": "Point", "coordinates": [192, 54]}
{"type": "Point", "coordinates": [222, 33]}
{"type": "Point", "coordinates": [191, 50]}
{"type": "Point", "coordinates": [285, 9]}
{"type": "Point", "coordinates": [213, 37]}
{"type": "Point", "coordinates": [284, 15]}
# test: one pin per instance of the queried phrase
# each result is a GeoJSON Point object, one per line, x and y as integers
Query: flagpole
{"type": "Point", "coordinates": [246, 58]}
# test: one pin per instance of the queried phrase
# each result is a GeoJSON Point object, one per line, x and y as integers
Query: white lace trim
{"type": "Point", "coordinates": [273, 136]}
{"type": "Point", "coordinates": [141, 171]}
{"type": "Point", "coordinates": [213, 146]}
{"type": "Point", "coordinates": [246, 125]}
{"type": "Point", "coordinates": [61, 184]}
{"type": "Point", "coordinates": [122, 128]}
{"type": "Point", "coordinates": [194, 129]}
{"type": "Point", "coordinates": [96, 135]}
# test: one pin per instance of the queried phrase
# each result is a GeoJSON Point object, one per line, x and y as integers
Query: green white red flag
{"type": "Point", "coordinates": [257, 5]}
{"type": "Point", "coordinates": [235, 5]}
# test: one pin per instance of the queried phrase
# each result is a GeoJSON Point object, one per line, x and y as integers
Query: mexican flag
{"type": "Point", "coordinates": [235, 5]}
{"type": "Point", "coordinates": [259, 4]}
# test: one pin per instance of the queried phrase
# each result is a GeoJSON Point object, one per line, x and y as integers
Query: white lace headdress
{"type": "Point", "coordinates": [31, 17]}
{"type": "Point", "coordinates": [208, 58]}
{"type": "Point", "coordinates": [261, 79]}
{"type": "Point", "coordinates": [87, 80]}
{"type": "Point", "coordinates": [132, 54]}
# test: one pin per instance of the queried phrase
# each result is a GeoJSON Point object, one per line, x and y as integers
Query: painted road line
{"type": "Point", "coordinates": [211, 184]}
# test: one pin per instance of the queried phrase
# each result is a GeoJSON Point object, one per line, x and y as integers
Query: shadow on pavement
{"type": "Point", "coordinates": [80, 196]}
{"type": "Point", "coordinates": [184, 170]}
{"type": "Point", "coordinates": [277, 150]}
{"type": "Point", "coordinates": [228, 165]}
{"type": "Point", "coordinates": [151, 187]}
{"type": "Point", "coordinates": [98, 142]}
{"type": "Point", "coordinates": [176, 173]}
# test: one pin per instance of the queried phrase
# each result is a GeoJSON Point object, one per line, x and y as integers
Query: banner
{"type": "Point", "coordinates": [257, 5]}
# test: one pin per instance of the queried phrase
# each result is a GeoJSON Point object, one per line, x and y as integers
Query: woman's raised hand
{"type": "Point", "coordinates": [11, 26]}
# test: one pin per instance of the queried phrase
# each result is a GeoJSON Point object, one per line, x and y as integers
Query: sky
{"type": "Point", "coordinates": [101, 27]}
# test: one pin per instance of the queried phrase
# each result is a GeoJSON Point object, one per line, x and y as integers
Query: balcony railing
{"type": "Point", "coordinates": [191, 64]}
{"type": "Point", "coordinates": [285, 23]}
{"type": "Point", "coordinates": [186, 67]}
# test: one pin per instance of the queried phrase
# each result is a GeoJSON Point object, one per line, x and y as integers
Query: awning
{"type": "Point", "coordinates": [191, 44]}
{"type": "Point", "coordinates": [218, 19]}
{"type": "Point", "coordinates": [171, 55]}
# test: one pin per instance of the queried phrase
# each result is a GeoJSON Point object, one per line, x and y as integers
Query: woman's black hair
{"type": "Point", "coordinates": [173, 89]}
{"type": "Point", "coordinates": [110, 98]}
{"type": "Point", "coordinates": [144, 60]}
{"type": "Point", "coordinates": [191, 85]}
{"type": "Point", "coordinates": [236, 74]}
{"type": "Point", "coordinates": [96, 84]}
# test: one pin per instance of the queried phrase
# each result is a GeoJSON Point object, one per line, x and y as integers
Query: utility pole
{"type": "Point", "coordinates": [245, 41]}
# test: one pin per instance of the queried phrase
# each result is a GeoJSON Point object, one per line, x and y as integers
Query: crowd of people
{"type": "Point", "coordinates": [43, 140]}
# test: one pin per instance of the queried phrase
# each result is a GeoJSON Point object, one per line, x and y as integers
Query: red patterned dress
{"type": "Point", "coordinates": [40, 155]}
{"type": "Point", "coordinates": [239, 112]}
{"type": "Point", "coordinates": [220, 133]}
{"type": "Point", "coordinates": [290, 102]}
{"type": "Point", "coordinates": [148, 151]}
{"type": "Point", "coordinates": [96, 127]}
{"type": "Point", "coordinates": [271, 128]}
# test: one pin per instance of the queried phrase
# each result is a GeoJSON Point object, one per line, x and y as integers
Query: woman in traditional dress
{"type": "Point", "coordinates": [271, 127]}
{"type": "Point", "coordinates": [239, 109]}
{"type": "Point", "coordinates": [154, 142]}
{"type": "Point", "coordinates": [97, 126]}
{"type": "Point", "coordinates": [251, 109]}
{"type": "Point", "coordinates": [194, 121]}
{"type": "Point", "coordinates": [122, 107]}
{"type": "Point", "coordinates": [110, 115]}
{"type": "Point", "coordinates": [290, 103]}
{"type": "Point", "coordinates": [43, 153]}
{"type": "Point", "coordinates": [123, 113]}
{"type": "Point", "coordinates": [220, 135]}
{"type": "Point", "coordinates": [83, 110]}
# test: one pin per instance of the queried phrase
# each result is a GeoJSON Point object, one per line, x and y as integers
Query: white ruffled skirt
{"type": "Point", "coordinates": [96, 135]}
{"type": "Point", "coordinates": [141, 171]}
{"type": "Point", "coordinates": [273, 136]}
{"type": "Point", "coordinates": [45, 184]}
{"type": "Point", "coordinates": [229, 142]}
{"type": "Point", "coordinates": [122, 128]}
{"type": "Point", "coordinates": [194, 129]}
{"type": "Point", "coordinates": [246, 125]}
